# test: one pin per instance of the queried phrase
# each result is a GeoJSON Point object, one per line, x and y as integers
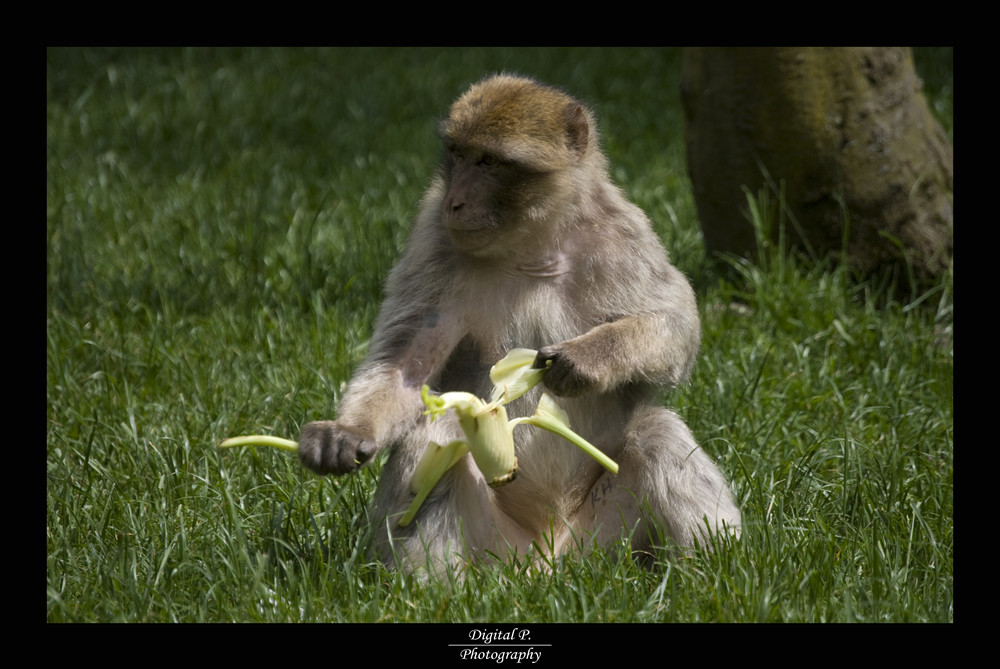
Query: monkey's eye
{"type": "Point", "coordinates": [488, 160]}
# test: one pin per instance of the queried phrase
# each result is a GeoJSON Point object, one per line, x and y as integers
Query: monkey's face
{"type": "Point", "coordinates": [492, 203]}
{"type": "Point", "coordinates": [470, 209]}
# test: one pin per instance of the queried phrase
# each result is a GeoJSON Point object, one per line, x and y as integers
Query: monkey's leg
{"type": "Point", "coordinates": [666, 484]}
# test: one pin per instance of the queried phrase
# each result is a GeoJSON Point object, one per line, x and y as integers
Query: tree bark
{"type": "Point", "coordinates": [844, 133]}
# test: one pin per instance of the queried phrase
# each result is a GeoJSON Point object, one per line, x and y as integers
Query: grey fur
{"type": "Point", "coordinates": [574, 270]}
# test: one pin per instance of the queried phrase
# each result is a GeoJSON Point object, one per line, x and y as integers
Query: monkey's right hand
{"type": "Point", "coordinates": [327, 447]}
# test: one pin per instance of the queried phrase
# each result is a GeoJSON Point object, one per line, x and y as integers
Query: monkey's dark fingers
{"type": "Point", "coordinates": [564, 378]}
{"type": "Point", "coordinates": [326, 447]}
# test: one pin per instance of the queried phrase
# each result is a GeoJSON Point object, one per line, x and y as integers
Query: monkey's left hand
{"type": "Point", "coordinates": [565, 377]}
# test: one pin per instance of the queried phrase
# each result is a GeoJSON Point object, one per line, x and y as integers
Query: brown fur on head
{"type": "Point", "coordinates": [551, 128]}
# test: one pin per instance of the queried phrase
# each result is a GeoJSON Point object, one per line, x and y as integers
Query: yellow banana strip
{"type": "Point", "coordinates": [432, 466]}
{"type": "Point", "coordinates": [550, 416]}
{"type": "Point", "coordinates": [261, 440]}
{"type": "Point", "coordinates": [514, 375]}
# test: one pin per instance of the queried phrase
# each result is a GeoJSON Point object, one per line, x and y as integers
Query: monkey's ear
{"type": "Point", "coordinates": [577, 129]}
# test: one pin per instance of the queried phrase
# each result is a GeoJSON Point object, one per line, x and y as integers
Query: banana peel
{"type": "Point", "coordinates": [489, 435]}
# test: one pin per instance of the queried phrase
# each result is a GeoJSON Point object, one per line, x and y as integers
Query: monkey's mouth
{"type": "Point", "coordinates": [470, 235]}
{"type": "Point", "coordinates": [467, 226]}
{"type": "Point", "coordinates": [469, 240]}
{"type": "Point", "coordinates": [468, 221]}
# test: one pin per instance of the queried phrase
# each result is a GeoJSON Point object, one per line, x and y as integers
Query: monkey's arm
{"type": "Point", "coordinates": [383, 399]}
{"type": "Point", "coordinates": [648, 349]}
{"type": "Point", "coordinates": [655, 343]}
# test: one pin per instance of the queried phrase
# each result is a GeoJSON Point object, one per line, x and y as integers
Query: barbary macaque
{"type": "Point", "coordinates": [522, 241]}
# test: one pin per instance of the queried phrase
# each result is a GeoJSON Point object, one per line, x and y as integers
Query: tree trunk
{"type": "Point", "coordinates": [845, 133]}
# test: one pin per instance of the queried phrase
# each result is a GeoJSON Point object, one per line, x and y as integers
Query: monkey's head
{"type": "Point", "coordinates": [514, 152]}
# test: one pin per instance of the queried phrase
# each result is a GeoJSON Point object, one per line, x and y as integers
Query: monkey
{"type": "Point", "coordinates": [522, 240]}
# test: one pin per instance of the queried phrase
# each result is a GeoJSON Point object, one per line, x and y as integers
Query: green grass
{"type": "Point", "coordinates": [219, 223]}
